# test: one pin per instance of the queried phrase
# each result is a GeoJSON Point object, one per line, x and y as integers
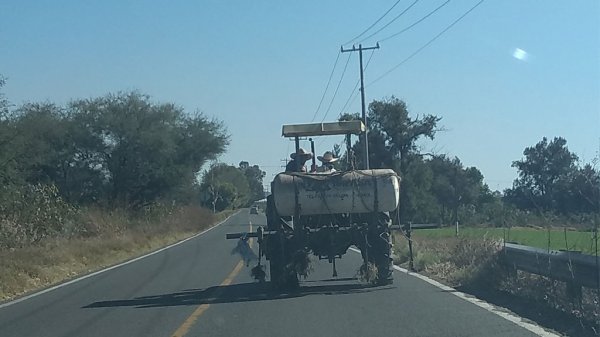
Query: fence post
{"type": "Point", "coordinates": [597, 262]}
{"type": "Point", "coordinates": [411, 265]}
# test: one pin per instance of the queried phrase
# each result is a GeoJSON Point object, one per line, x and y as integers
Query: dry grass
{"type": "Point", "coordinates": [543, 291]}
{"type": "Point", "coordinates": [455, 261]}
{"type": "Point", "coordinates": [110, 238]}
{"type": "Point", "coordinates": [472, 265]}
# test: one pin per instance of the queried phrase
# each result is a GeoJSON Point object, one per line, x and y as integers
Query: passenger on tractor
{"type": "Point", "coordinates": [327, 160]}
{"type": "Point", "coordinates": [299, 159]}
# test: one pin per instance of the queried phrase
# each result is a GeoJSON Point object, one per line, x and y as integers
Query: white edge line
{"type": "Point", "coordinates": [64, 284]}
{"type": "Point", "coordinates": [536, 329]}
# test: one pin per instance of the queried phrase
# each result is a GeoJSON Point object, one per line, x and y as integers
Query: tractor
{"type": "Point", "coordinates": [324, 214]}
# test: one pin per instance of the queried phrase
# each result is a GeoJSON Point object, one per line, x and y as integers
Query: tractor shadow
{"type": "Point", "coordinates": [237, 293]}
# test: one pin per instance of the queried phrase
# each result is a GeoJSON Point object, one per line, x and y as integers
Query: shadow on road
{"type": "Point", "coordinates": [245, 251]}
{"type": "Point", "coordinates": [243, 292]}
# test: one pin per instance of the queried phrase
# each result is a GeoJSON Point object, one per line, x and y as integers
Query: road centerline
{"type": "Point", "coordinates": [185, 327]}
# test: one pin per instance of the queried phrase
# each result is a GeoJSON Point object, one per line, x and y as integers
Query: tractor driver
{"type": "Point", "coordinates": [299, 159]}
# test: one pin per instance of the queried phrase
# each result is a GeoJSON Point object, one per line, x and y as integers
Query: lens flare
{"type": "Point", "coordinates": [520, 54]}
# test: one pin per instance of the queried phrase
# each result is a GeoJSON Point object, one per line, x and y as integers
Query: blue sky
{"type": "Point", "coordinates": [256, 65]}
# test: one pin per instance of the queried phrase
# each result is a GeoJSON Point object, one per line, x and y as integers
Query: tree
{"type": "Point", "coordinates": [393, 134]}
{"type": "Point", "coordinates": [455, 186]}
{"type": "Point", "coordinates": [122, 149]}
{"type": "Point", "coordinates": [49, 143]}
{"type": "Point", "coordinates": [9, 147]}
{"type": "Point", "coordinates": [418, 203]}
{"type": "Point", "coordinates": [224, 186]}
{"type": "Point", "coordinates": [585, 190]}
{"type": "Point", "coordinates": [147, 150]}
{"type": "Point", "coordinates": [4, 104]}
{"type": "Point", "coordinates": [255, 176]}
{"type": "Point", "coordinates": [544, 173]}
{"type": "Point", "coordinates": [579, 192]}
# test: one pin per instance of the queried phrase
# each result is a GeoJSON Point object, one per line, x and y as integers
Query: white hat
{"type": "Point", "coordinates": [327, 157]}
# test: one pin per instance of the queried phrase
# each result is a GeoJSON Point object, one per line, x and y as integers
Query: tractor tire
{"type": "Point", "coordinates": [380, 249]}
{"type": "Point", "coordinates": [282, 275]}
{"type": "Point", "coordinates": [276, 261]}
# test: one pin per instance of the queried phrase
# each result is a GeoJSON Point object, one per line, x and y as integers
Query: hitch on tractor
{"type": "Point", "coordinates": [258, 271]}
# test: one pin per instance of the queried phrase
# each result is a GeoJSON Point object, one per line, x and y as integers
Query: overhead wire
{"type": "Point", "coordinates": [374, 23]}
{"type": "Point", "coordinates": [327, 86]}
{"type": "Point", "coordinates": [354, 98]}
{"type": "Point", "coordinates": [389, 23]}
{"type": "Point", "coordinates": [357, 83]}
{"type": "Point", "coordinates": [426, 44]}
{"type": "Point", "coordinates": [337, 88]}
{"type": "Point", "coordinates": [416, 22]}
{"type": "Point", "coordinates": [352, 93]}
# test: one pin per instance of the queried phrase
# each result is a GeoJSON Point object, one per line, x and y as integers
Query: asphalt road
{"type": "Point", "coordinates": [199, 288]}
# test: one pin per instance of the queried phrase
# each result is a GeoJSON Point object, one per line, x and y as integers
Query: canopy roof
{"type": "Point", "coordinates": [323, 129]}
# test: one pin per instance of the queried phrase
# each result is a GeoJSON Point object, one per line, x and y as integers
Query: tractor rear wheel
{"type": "Point", "coordinates": [282, 273]}
{"type": "Point", "coordinates": [380, 249]}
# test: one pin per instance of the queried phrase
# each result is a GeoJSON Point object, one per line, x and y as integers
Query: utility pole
{"type": "Point", "coordinates": [362, 96]}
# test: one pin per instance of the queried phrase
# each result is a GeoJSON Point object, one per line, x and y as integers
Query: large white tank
{"type": "Point", "coordinates": [360, 191]}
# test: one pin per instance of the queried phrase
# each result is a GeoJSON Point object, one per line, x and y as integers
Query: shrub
{"type": "Point", "coordinates": [31, 213]}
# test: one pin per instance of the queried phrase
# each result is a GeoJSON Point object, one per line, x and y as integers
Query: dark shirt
{"type": "Point", "coordinates": [291, 167]}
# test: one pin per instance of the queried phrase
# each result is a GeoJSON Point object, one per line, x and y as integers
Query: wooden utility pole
{"type": "Point", "coordinates": [362, 96]}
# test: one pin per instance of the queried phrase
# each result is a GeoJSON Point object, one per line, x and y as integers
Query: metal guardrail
{"type": "Point", "coordinates": [572, 267]}
{"type": "Point", "coordinates": [424, 226]}
{"type": "Point", "coordinates": [416, 226]}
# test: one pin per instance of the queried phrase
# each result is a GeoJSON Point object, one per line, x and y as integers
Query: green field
{"type": "Point", "coordinates": [541, 238]}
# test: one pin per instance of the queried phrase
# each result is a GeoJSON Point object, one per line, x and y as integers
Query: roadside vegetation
{"type": "Point", "coordinates": [112, 237]}
{"type": "Point", "coordinates": [100, 180]}
{"type": "Point", "coordinates": [471, 263]}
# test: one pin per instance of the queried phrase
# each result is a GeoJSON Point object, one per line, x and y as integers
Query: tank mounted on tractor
{"type": "Point", "coordinates": [324, 214]}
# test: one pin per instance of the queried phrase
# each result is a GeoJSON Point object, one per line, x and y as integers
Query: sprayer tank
{"type": "Point", "coordinates": [358, 191]}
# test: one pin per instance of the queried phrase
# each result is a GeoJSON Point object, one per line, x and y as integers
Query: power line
{"type": "Point", "coordinates": [337, 88]}
{"type": "Point", "coordinates": [362, 96]}
{"type": "Point", "coordinates": [417, 22]}
{"type": "Point", "coordinates": [374, 23]}
{"type": "Point", "coordinates": [327, 86]}
{"type": "Point", "coordinates": [389, 23]}
{"type": "Point", "coordinates": [356, 85]}
{"type": "Point", "coordinates": [427, 44]}
{"type": "Point", "coordinates": [352, 96]}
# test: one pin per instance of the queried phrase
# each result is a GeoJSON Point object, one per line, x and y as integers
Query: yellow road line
{"type": "Point", "coordinates": [191, 320]}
